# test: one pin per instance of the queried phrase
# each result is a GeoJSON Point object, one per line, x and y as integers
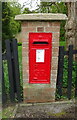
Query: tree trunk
{"type": "Point", "coordinates": [70, 25]}
{"type": "Point", "coordinates": [76, 29]}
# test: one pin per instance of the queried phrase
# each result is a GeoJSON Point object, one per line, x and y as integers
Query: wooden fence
{"type": "Point", "coordinates": [70, 54]}
{"type": "Point", "coordinates": [11, 56]}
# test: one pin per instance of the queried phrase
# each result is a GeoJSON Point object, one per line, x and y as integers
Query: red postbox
{"type": "Point", "coordinates": [40, 52]}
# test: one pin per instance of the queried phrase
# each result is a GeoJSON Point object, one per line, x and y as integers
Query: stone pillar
{"type": "Point", "coordinates": [49, 23]}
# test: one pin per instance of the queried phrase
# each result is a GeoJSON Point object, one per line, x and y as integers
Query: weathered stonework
{"type": "Point", "coordinates": [40, 92]}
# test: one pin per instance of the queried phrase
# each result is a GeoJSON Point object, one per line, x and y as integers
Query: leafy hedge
{"type": "Point", "coordinates": [65, 73]}
{"type": "Point", "coordinates": [65, 81]}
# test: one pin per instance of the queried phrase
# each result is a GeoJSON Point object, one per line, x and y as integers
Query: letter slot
{"type": "Point", "coordinates": [40, 42]}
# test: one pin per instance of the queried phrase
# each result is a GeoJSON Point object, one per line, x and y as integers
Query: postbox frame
{"type": "Point", "coordinates": [45, 49]}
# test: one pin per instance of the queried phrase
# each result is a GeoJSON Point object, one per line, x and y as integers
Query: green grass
{"type": "Point", "coordinates": [62, 43]}
{"type": "Point", "coordinates": [20, 60]}
{"type": "Point", "coordinates": [20, 68]}
{"type": "Point", "coordinates": [6, 76]}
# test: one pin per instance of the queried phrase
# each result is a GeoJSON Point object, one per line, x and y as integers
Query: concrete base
{"type": "Point", "coordinates": [37, 95]}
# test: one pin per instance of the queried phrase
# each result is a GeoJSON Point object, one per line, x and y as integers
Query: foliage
{"type": "Point", "coordinates": [19, 43]}
{"type": "Point", "coordinates": [6, 13]}
{"type": "Point", "coordinates": [52, 7]}
{"type": "Point", "coordinates": [10, 27]}
{"type": "Point", "coordinates": [65, 80]}
{"type": "Point", "coordinates": [65, 76]}
{"type": "Point", "coordinates": [59, 8]}
{"type": "Point", "coordinates": [27, 11]}
{"type": "Point", "coordinates": [15, 8]}
{"type": "Point", "coordinates": [62, 43]}
{"type": "Point", "coordinates": [45, 7]}
{"type": "Point", "coordinates": [62, 31]}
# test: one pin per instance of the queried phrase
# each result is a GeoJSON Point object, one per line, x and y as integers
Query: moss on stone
{"type": "Point", "coordinates": [7, 112]}
{"type": "Point", "coordinates": [59, 114]}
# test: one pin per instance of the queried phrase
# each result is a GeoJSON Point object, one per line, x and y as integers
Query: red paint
{"type": "Point", "coordinates": [39, 72]}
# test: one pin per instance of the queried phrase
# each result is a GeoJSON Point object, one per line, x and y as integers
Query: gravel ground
{"type": "Point", "coordinates": [50, 110]}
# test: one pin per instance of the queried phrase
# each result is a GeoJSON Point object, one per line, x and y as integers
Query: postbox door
{"type": "Point", "coordinates": [40, 58]}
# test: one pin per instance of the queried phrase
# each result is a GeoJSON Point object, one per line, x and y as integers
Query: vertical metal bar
{"type": "Point", "coordinates": [16, 66]}
{"type": "Point", "coordinates": [13, 68]}
{"type": "Point", "coordinates": [76, 82]}
{"type": "Point", "coordinates": [10, 70]}
{"type": "Point", "coordinates": [60, 69]}
{"type": "Point", "coordinates": [70, 64]}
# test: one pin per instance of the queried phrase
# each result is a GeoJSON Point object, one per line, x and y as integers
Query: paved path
{"type": "Point", "coordinates": [47, 110]}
